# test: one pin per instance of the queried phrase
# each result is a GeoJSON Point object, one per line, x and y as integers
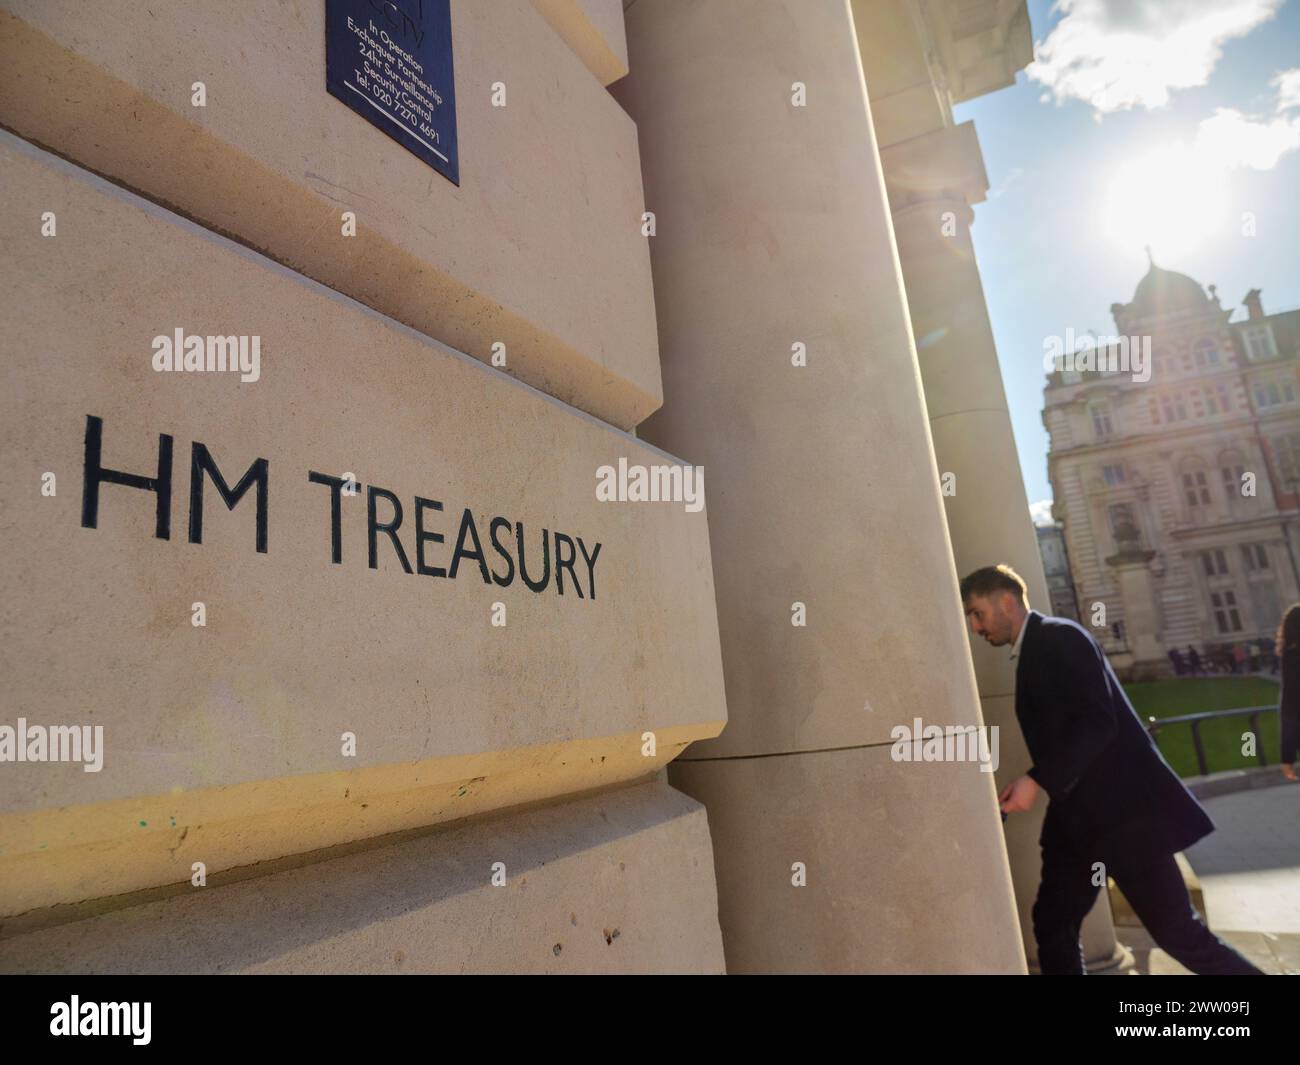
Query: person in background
{"type": "Point", "coordinates": [1194, 659]}
{"type": "Point", "coordinates": [1287, 646]}
{"type": "Point", "coordinates": [1177, 661]}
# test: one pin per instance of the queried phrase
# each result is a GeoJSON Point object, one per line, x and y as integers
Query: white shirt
{"type": "Point", "coordinates": [1015, 650]}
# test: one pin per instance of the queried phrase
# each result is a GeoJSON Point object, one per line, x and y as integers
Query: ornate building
{"type": "Point", "coordinates": [1056, 568]}
{"type": "Point", "coordinates": [1177, 484]}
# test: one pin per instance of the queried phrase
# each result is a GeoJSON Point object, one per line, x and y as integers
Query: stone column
{"type": "Point", "coordinates": [774, 238]}
{"type": "Point", "coordinates": [932, 180]}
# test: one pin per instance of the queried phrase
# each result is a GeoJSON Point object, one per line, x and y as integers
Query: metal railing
{"type": "Point", "coordinates": [1155, 724]}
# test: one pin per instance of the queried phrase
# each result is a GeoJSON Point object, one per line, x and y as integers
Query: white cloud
{"type": "Point", "coordinates": [1232, 139]}
{"type": "Point", "coordinates": [1040, 513]}
{"type": "Point", "coordinates": [1288, 89]}
{"type": "Point", "coordinates": [1175, 195]}
{"type": "Point", "coordinates": [1229, 139]}
{"type": "Point", "coordinates": [1121, 54]}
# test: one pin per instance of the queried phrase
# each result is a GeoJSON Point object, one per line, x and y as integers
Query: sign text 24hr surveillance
{"type": "Point", "coordinates": [390, 61]}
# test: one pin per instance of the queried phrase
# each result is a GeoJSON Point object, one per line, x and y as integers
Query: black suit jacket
{"type": "Point", "coordinates": [1289, 702]}
{"type": "Point", "coordinates": [1113, 796]}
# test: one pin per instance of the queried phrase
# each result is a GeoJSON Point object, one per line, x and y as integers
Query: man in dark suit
{"type": "Point", "coordinates": [1116, 807]}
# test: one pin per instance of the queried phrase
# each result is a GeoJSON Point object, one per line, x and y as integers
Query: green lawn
{"type": "Point", "coordinates": [1222, 739]}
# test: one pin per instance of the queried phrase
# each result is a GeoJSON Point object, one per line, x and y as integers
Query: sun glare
{"type": "Point", "coordinates": [1171, 199]}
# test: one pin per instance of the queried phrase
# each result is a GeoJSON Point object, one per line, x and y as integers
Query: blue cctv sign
{"type": "Point", "coordinates": [390, 62]}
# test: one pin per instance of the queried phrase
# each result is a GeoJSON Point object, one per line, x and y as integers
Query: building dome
{"type": "Point", "coordinates": [1163, 291]}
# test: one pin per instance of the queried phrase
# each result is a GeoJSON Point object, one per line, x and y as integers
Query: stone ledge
{"type": "Point", "coordinates": [1233, 780]}
{"type": "Point", "coordinates": [585, 892]}
{"type": "Point", "coordinates": [594, 30]}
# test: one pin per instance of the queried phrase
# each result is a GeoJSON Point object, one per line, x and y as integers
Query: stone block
{"type": "Point", "coordinates": [324, 614]}
{"type": "Point", "coordinates": [620, 882]}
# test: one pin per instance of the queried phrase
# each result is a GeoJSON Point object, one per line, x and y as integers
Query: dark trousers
{"type": "Point", "coordinates": [1290, 733]}
{"type": "Point", "coordinates": [1155, 890]}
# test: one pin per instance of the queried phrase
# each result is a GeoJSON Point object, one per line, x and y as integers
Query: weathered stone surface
{"type": "Point", "coordinates": [620, 882]}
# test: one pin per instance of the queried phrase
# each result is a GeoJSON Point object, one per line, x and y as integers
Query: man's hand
{"type": "Point", "coordinates": [1019, 796]}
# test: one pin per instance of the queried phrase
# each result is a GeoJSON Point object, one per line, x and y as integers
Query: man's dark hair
{"type": "Point", "coordinates": [991, 579]}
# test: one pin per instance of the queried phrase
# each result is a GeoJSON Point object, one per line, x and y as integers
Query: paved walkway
{"type": "Point", "coordinates": [1249, 872]}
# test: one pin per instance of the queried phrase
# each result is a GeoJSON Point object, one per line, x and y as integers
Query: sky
{"type": "Point", "coordinates": [1169, 122]}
